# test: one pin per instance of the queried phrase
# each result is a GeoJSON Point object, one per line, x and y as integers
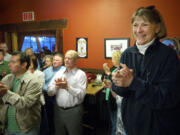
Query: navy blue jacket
{"type": "Point", "coordinates": [151, 104]}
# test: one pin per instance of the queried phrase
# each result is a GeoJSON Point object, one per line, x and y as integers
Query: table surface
{"type": "Point", "coordinates": [94, 88]}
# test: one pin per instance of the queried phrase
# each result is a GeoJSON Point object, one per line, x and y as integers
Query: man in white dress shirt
{"type": "Point", "coordinates": [69, 85]}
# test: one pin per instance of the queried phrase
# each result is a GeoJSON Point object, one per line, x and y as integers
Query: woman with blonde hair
{"type": "Point", "coordinates": [110, 96]}
{"type": "Point", "coordinates": [48, 61]}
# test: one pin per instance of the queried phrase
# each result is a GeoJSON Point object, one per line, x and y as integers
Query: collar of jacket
{"type": "Point", "coordinates": [25, 77]}
{"type": "Point", "coordinates": [150, 48]}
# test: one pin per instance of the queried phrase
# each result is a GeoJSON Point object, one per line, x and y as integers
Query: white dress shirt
{"type": "Point", "coordinates": [77, 84]}
{"type": "Point", "coordinates": [142, 48]}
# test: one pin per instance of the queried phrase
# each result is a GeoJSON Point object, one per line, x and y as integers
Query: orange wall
{"type": "Point", "coordinates": [94, 19]}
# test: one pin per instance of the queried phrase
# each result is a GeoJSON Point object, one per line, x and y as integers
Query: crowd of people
{"type": "Point", "coordinates": [44, 95]}
{"type": "Point", "coordinates": [28, 105]}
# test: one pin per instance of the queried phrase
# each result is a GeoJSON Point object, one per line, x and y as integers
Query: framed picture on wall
{"type": "Point", "coordinates": [82, 47]}
{"type": "Point", "coordinates": [114, 44]}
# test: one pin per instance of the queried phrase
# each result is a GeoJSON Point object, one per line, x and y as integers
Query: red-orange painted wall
{"type": "Point", "coordinates": [94, 19]}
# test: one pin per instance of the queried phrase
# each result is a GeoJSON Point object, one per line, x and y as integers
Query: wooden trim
{"type": "Point", "coordinates": [59, 41]}
{"type": "Point", "coordinates": [8, 40]}
{"type": "Point", "coordinates": [96, 71]}
{"type": "Point", "coordinates": [34, 26]}
{"type": "Point", "coordinates": [14, 41]}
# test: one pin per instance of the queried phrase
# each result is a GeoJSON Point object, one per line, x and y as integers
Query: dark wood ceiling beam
{"type": "Point", "coordinates": [34, 26]}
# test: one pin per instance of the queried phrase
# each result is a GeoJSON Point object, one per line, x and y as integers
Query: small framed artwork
{"type": "Point", "coordinates": [82, 47]}
{"type": "Point", "coordinates": [114, 44]}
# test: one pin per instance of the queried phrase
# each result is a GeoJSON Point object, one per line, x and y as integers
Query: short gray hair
{"type": "Point", "coordinates": [73, 53]}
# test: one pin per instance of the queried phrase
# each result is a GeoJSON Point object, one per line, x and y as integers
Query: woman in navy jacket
{"type": "Point", "coordinates": [149, 79]}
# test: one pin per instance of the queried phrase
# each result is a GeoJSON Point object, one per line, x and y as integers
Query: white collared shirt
{"type": "Point", "coordinates": [77, 83]}
{"type": "Point", "coordinates": [142, 48]}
